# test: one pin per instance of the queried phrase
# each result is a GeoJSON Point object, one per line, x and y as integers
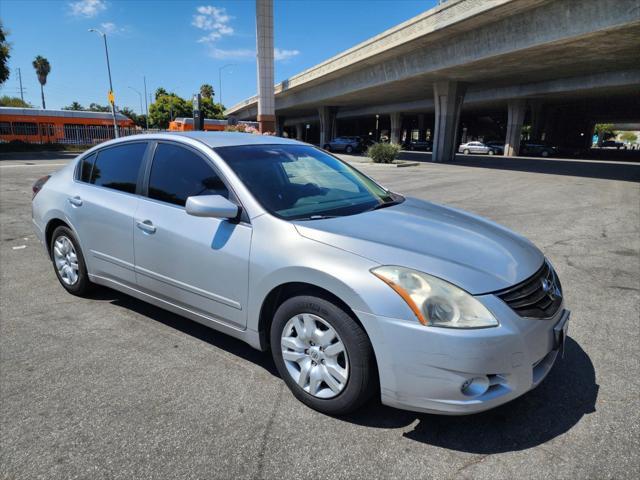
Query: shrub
{"type": "Point", "coordinates": [383, 152]}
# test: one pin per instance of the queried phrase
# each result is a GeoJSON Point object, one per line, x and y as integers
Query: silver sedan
{"type": "Point", "coordinates": [476, 147]}
{"type": "Point", "coordinates": [356, 290]}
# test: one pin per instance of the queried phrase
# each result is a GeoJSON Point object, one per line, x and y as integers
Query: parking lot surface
{"type": "Point", "coordinates": [110, 387]}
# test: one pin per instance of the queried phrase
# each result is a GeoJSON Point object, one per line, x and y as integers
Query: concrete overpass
{"type": "Point", "coordinates": [559, 65]}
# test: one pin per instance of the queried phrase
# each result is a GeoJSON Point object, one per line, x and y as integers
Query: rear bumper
{"type": "Point", "coordinates": [424, 368]}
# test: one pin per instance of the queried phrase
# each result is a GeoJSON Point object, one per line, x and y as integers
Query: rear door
{"type": "Point", "coordinates": [201, 264]}
{"type": "Point", "coordinates": [101, 205]}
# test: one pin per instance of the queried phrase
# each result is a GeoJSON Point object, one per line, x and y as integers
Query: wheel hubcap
{"type": "Point", "coordinates": [314, 355]}
{"type": "Point", "coordinates": [66, 260]}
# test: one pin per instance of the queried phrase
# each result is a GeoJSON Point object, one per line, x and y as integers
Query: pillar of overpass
{"type": "Point", "coordinates": [396, 127]}
{"type": "Point", "coordinates": [327, 124]}
{"type": "Point", "coordinates": [264, 41]}
{"type": "Point", "coordinates": [448, 97]}
{"type": "Point", "coordinates": [299, 131]}
{"type": "Point", "coordinates": [517, 109]}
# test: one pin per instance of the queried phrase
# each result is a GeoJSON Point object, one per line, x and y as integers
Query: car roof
{"type": "Point", "coordinates": [216, 139]}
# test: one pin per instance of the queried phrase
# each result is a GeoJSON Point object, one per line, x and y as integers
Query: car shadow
{"type": "Point", "coordinates": [625, 171]}
{"type": "Point", "coordinates": [567, 394]}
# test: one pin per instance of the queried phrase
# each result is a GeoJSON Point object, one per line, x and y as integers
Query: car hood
{"type": "Point", "coordinates": [473, 253]}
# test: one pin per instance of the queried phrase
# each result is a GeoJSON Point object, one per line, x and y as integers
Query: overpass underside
{"type": "Point", "coordinates": [475, 70]}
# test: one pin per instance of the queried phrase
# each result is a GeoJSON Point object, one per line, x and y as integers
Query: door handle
{"type": "Point", "coordinates": [75, 201]}
{"type": "Point", "coordinates": [146, 226]}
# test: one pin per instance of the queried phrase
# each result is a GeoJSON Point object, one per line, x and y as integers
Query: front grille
{"type": "Point", "coordinates": [531, 299]}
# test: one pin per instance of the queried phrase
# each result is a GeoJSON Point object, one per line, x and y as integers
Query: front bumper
{"type": "Point", "coordinates": [423, 368]}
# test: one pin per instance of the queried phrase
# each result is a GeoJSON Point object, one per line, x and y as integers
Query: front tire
{"type": "Point", "coordinates": [465, 151]}
{"type": "Point", "coordinates": [349, 149]}
{"type": "Point", "coordinates": [68, 261]}
{"type": "Point", "coordinates": [327, 147]}
{"type": "Point", "coordinates": [323, 355]}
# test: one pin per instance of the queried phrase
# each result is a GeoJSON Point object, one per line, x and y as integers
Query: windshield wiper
{"type": "Point", "coordinates": [317, 217]}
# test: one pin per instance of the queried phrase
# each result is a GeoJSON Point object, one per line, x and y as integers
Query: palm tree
{"type": "Point", "coordinates": [206, 91]}
{"type": "Point", "coordinates": [43, 68]}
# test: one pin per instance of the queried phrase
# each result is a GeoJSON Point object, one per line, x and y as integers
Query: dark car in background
{"type": "Point", "coordinates": [612, 144]}
{"type": "Point", "coordinates": [419, 145]}
{"type": "Point", "coordinates": [497, 146]}
{"type": "Point", "coordinates": [345, 144]}
{"type": "Point", "coordinates": [532, 149]}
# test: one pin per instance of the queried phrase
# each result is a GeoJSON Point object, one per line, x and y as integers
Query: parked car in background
{"type": "Point", "coordinates": [344, 144]}
{"type": "Point", "coordinates": [419, 145]}
{"type": "Point", "coordinates": [476, 147]}
{"type": "Point", "coordinates": [613, 144]}
{"type": "Point", "coordinates": [531, 149]}
{"type": "Point", "coordinates": [497, 146]}
{"type": "Point", "coordinates": [355, 289]}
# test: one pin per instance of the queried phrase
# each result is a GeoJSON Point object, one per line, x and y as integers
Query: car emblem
{"type": "Point", "coordinates": [551, 288]}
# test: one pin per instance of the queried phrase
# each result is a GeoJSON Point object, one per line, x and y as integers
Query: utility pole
{"type": "Point", "coordinates": [20, 80]}
{"type": "Point", "coordinates": [220, 81]}
{"type": "Point", "coordinates": [146, 105]}
{"type": "Point", "coordinates": [112, 100]}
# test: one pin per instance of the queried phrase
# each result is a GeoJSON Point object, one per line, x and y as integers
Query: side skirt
{"type": "Point", "coordinates": [249, 336]}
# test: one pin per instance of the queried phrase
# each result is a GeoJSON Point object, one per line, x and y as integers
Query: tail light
{"type": "Point", "coordinates": [37, 186]}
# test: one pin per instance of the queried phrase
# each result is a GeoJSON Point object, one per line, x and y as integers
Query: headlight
{"type": "Point", "coordinates": [435, 302]}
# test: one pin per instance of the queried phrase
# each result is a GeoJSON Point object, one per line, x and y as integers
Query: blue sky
{"type": "Point", "coordinates": [178, 44]}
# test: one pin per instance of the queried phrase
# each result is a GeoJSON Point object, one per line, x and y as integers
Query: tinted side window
{"type": "Point", "coordinates": [178, 173]}
{"type": "Point", "coordinates": [85, 168]}
{"type": "Point", "coordinates": [118, 167]}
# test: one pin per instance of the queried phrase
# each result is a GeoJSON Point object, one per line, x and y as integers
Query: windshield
{"type": "Point", "coordinates": [302, 182]}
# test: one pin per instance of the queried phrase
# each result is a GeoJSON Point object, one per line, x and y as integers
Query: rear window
{"type": "Point", "coordinates": [118, 167]}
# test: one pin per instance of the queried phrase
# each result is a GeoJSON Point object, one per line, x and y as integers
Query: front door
{"type": "Point", "coordinates": [101, 204]}
{"type": "Point", "coordinates": [201, 264]}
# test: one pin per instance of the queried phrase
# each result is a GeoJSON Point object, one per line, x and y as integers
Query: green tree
{"type": "Point", "coordinates": [139, 120]}
{"type": "Point", "coordinates": [629, 137]}
{"type": "Point", "coordinates": [5, 54]}
{"type": "Point", "coordinates": [206, 91]}
{"type": "Point", "coordinates": [160, 92]}
{"type": "Point", "coordinates": [168, 107]}
{"type": "Point", "coordinates": [73, 106]}
{"type": "Point", "coordinates": [7, 101]}
{"type": "Point", "coordinates": [96, 107]}
{"type": "Point", "coordinates": [211, 109]}
{"type": "Point", "coordinates": [43, 68]}
{"type": "Point", "coordinates": [604, 131]}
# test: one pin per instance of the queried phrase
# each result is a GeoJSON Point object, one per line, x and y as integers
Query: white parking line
{"type": "Point", "coordinates": [19, 247]}
{"type": "Point", "coordinates": [35, 165]}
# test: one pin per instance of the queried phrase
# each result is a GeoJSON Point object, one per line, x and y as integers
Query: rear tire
{"type": "Point", "coordinates": [354, 381]}
{"type": "Point", "coordinates": [68, 262]}
{"type": "Point", "coordinates": [327, 147]}
{"type": "Point", "coordinates": [349, 149]}
{"type": "Point", "coordinates": [491, 152]}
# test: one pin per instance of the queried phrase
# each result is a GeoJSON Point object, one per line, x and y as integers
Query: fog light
{"type": "Point", "coordinates": [474, 387]}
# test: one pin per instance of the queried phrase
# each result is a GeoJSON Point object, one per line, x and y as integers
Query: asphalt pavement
{"type": "Point", "coordinates": [111, 388]}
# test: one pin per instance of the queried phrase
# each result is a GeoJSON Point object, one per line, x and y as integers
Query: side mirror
{"type": "Point", "coordinates": [213, 206]}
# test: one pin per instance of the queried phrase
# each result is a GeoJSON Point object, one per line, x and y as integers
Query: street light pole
{"type": "Point", "coordinates": [141, 109]}
{"type": "Point", "coordinates": [112, 100]}
{"type": "Point", "coordinates": [220, 80]}
{"type": "Point", "coordinates": [146, 105]}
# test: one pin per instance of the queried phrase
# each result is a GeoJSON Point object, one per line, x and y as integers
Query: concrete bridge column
{"type": "Point", "coordinates": [299, 131]}
{"type": "Point", "coordinates": [327, 124]}
{"type": "Point", "coordinates": [448, 98]}
{"type": "Point", "coordinates": [396, 127]}
{"type": "Point", "coordinates": [517, 109]}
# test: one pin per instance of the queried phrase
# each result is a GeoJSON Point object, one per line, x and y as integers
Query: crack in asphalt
{"type": "Point", "coordinates": [267, 431]}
